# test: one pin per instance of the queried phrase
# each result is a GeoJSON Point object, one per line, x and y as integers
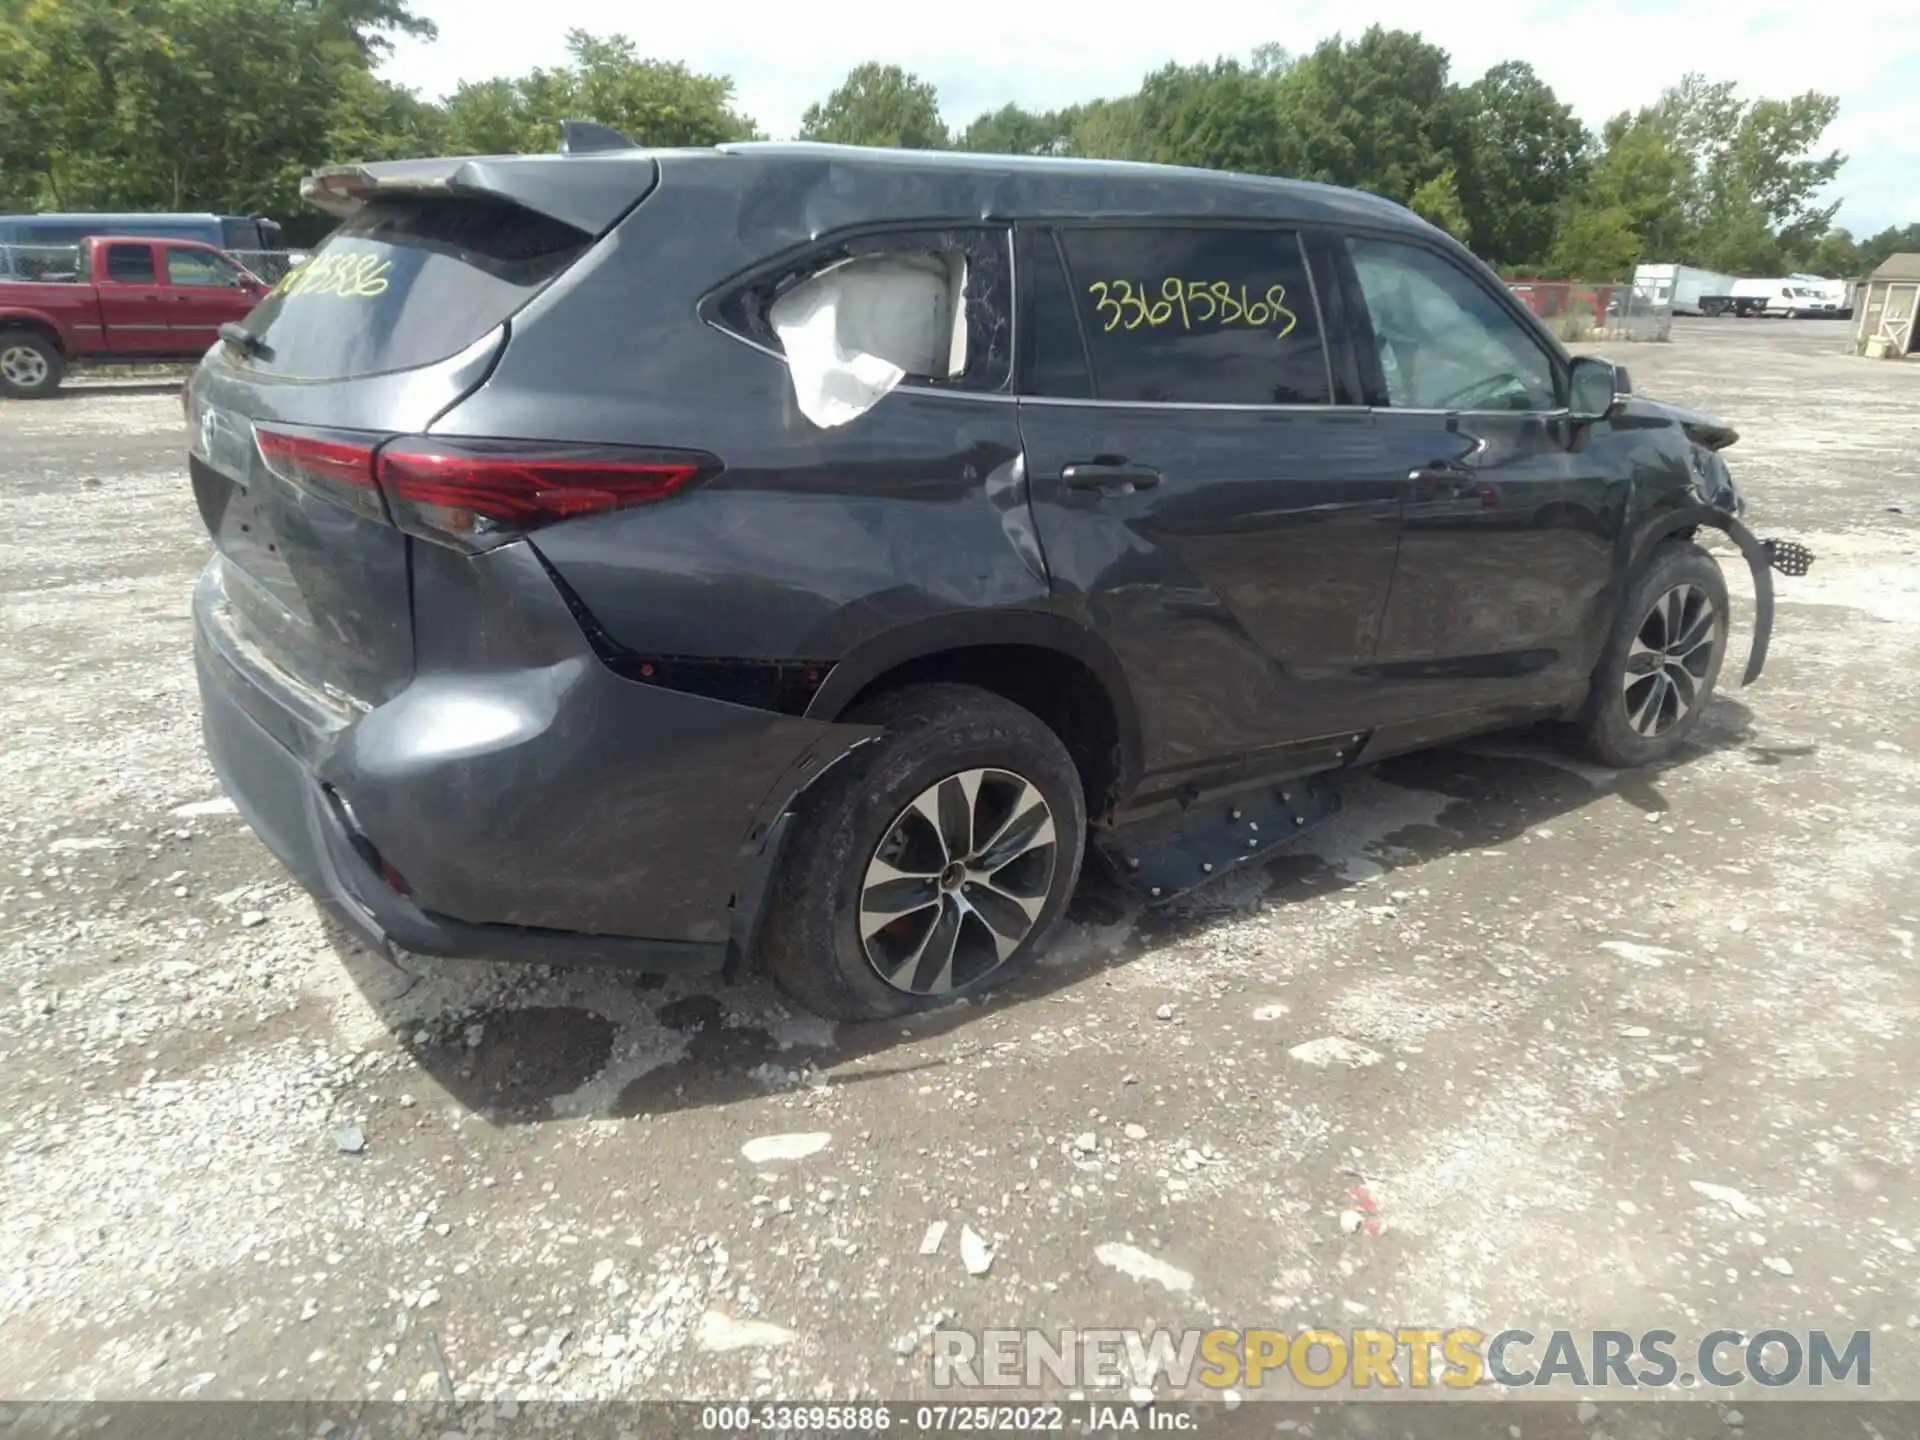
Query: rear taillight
{"type": "Point", "coordinates": [337, 464]}
{"type": "Point", "coordinates": [479, 493]}
{"type": "Point", "coordinates": [474, 494]}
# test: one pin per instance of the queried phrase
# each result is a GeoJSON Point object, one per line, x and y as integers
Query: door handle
{"type": "Point", "coordinates": [1109, 477]}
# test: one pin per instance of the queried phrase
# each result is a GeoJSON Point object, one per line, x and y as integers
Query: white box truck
{"type": "Point", "coordinates": [1690, 291]}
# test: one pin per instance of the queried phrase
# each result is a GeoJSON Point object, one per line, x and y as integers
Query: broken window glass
{"type": "Point", "coordinates": [869, 313]}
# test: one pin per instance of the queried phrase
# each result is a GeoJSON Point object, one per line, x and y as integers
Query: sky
{"type": "Point", "coordinates": [1601, 56]}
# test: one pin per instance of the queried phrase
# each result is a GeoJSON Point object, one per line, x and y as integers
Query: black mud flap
{"type": "Point", "coordinates": [1763, 557]}
{"type": "Point", "coordinates": [1163, 858]}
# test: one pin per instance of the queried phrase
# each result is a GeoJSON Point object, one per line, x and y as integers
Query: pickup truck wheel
{"type": "Point", "coordinates": [929, 865]}
{"type": "Point", "coordinates": [1657, 674]}
{"type": "Point", "coordinates": [30, 365]}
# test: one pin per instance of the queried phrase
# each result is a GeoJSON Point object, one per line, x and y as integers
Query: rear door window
{"type": "Point", "coordinates": [408, 281]}
{"type": "Point", "coordinates": [130, 265]}
{"type": "Point", "coordinates": [1055, 354]}
{"type": "Point", "coordinates": [1198, 315]}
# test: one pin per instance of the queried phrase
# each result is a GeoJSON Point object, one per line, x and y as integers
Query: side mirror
{"type": "Point", "coordinates": [1594, 386]}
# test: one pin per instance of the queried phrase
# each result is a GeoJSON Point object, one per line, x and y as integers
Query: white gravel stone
{"type": "Point", "coordinates": [766, 1149]}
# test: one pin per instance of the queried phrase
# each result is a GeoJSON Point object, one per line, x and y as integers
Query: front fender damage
{"type": "Point", "coordinates": [1763, 557]}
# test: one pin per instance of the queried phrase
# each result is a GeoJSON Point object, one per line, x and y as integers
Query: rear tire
{"type": "Point", "coordinates": [1656, 677]}
{"type": "Point", "coordinates": [943, 825]}
{"type": "Point", "coordinates": [30, 365]}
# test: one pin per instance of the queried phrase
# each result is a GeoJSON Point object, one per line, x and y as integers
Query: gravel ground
{"type": "Point", "coordinates": [1512, 1041]}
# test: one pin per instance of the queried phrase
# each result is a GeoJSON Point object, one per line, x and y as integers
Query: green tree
{"type": "Point", "coordinates": [651, 102]}
{"type": "Point", "coordinates": [189, 104]}
{"type": "Point", "coordinates": [1222, 116]}
{"type": "Point", "coordinates": [1106, 129]}
{"type": "Point", "coordinates": [1894, 240]}
{"type": "Point", "coordinates": [1738, 241]}
{"type": "Point", "coordinates": [1524, 154]}
{"type": "Point", "coordinates": [1835, 254]}
{"type": "Point", "coordinates": [878, 105]}
{"type": "Point", "coordinates": [1747, 159]}
{"type": "Point", "coordinates": [486, 117]}
{"type": "Point", "coordinates": [1595, 243]}
{"type": "Point", "coordinates": [1438, 201]}
{"type": "Point", "coordinates": [1377, 113]}
{"type": "Point", "coordinates": [1011, 130]}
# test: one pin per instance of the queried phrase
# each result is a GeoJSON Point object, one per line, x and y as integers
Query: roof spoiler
{"type": "Point", "coordinates": [597, 177]}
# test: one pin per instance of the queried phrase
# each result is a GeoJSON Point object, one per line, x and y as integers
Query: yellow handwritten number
{"type": "Point", "coordinates": [1276, 300]}
{"type": "Point", "coordinates": [1123, 303]}
{"type": "Point", "coordinates": [342, 275]}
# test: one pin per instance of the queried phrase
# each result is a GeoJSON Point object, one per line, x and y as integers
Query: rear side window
{"type": "Point", "coordinates": [1197, 315]}
{"type": "Point", "coordinates": [130, 264]}
{"type": "Point", "coordinates": [409, 281]}
{"type": "Point", "coordinates": [965, 270]}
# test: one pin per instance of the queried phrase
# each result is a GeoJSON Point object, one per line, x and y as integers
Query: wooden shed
{"type": "Point", "coordinates": [1888, 308]}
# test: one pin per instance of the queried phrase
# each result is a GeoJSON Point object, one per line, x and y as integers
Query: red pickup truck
{"type": "Point", "coordinates": [136, 301]}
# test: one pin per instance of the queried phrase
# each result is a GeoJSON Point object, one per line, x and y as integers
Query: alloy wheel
{"type": "Point", "coordinates": [958, 881]}
{"type": "Point", "coordinates": [1669, 660]}
{"type": "Point", "coordinates": [24, 366]}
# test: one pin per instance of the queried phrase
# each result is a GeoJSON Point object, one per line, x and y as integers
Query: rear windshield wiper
{"type": "Point", "coordinates": [243, 339]}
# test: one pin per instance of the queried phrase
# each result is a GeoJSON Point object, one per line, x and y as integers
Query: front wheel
{"type": "Point", "coordinates": [1658, 671]}
{"type": "Point", "coordinates": [929, 865]}
{"type": "Point", "coordinates": [30, 365]}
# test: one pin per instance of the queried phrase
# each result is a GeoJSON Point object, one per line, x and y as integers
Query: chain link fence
{"type": "Point", "coordinates": [48, 264]}
{"type": "Point", "coordinates": [53, 264]}
{"type": "Point", "coordinates": [1584, 310]}
{"type": "Point", "coordinates": [269, 265]}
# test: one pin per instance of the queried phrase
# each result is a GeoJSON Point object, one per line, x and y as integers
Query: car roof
{"type": "Point", "coordinates": [1065, 186]}
{"type": "Point", "coordinates": [796, 189]}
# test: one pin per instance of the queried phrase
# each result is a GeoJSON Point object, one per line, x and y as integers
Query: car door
{"type": "Point", "coordinates": [131, 307]}
{"type": "Point", "coordinates": [1511, 517]}
{"type": "Point", "coordinates": [1206, 487]}
{"type": "Point", "coordinates": [203, 291]}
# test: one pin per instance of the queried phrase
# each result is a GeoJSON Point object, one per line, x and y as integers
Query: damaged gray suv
{"type": "Point", "coordinates": [808, 557]}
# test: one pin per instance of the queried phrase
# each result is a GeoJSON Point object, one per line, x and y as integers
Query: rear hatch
{"type": "Point", "coordinates": [400, 313]}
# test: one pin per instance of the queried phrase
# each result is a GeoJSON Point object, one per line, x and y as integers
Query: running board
{"type": "Point", "coordinates": [1165, 858]}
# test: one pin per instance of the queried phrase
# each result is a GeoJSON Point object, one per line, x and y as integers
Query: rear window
{"type": "Point", "coordinates": [408, 281]}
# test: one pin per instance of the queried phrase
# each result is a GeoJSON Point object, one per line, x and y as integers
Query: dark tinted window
{"type": "Point", "coordinates": [237, 234]}
{"type": "Point", "coordinates": [1056, 361]}
{"type": "Point", "coordinates": [130, 264]}
{"type": "Point", "coordinates": [1195, 315]}
{"type": "Point", "coordinates": [406, 282]}
{"type": "Point", "coordinates": [1444, 342]}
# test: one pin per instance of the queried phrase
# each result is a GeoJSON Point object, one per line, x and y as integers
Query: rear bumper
{"type": "Point", "coordinates": [537, 805]}
{"type": "Point", "coordinates": [296, 819]}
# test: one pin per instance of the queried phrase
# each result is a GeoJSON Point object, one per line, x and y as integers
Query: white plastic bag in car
{"type": "Point", "coordinates": [857, 329]}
